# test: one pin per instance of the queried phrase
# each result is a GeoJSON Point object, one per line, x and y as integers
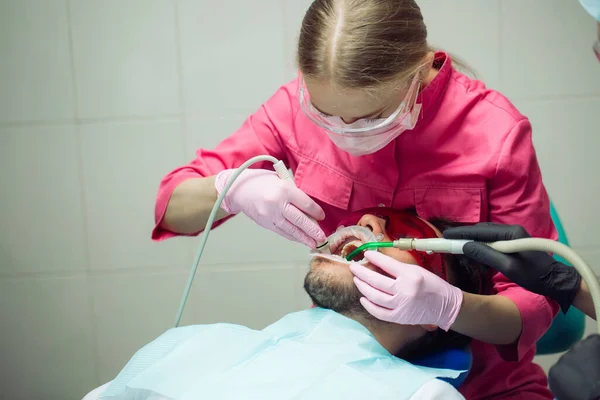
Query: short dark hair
{"type": "Point", "coordinates": [470, 277]}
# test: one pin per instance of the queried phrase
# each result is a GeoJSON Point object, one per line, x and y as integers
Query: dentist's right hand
{"type": "Point", "coordinates": [274, 204]}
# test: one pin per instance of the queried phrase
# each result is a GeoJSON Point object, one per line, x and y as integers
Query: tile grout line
{"type": "Point", "coordinates": [83, 198]}
{"type": "Point", "coordinates": [180, 81]}
{"type": "Point", "coordinates": [285, 35]}
{"type": "Point", "coordinates": [90, 121]}
{"type": "Point", "coordinates": [500, 44]}
{"type": "Point", "coordinates": [179, 59]}
{"type": "Point", "coordinates": [184, 132]}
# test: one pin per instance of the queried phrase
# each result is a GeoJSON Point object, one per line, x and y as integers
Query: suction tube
{"type": "Point", "coordinates": [509, 246]}
{"type": "Point", "coordinates": [280, 168]}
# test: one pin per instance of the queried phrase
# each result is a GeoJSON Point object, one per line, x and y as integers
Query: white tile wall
{"type": "Point", "coordinates": [242, 39]}
{"type": "Point", "coordinates": [124, 54]}
{"type": "Point", "coordinates": [47, 338]}
{"type": "Point", "coordinates": [546, 49]}
{"type": "Point", "coordinates": [206, 132]}
{"type": "Point", "coordinates": [100, 98]}
{"type": "Point", "coordinates": [470, 30]}
{"type": "Point", "coordinates": [35, 67]}
{"type": "Point", "coordinates": [120, 192]}
{"type": "Point", "coordinates": [42, 213]}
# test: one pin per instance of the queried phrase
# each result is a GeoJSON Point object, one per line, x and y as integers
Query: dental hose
{"type": "Point", "coordinates": [281, 171]}
{"type": "Point", "coordinates": [452, 246]}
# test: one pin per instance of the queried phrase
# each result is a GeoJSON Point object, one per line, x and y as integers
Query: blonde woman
{"type": "Point", "coordinates": [377, 118]}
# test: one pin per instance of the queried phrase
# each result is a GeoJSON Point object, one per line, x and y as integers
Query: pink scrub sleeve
{"type": "Point", "coordinates": [518, 196]}
{"type": "Point", "coordinates": [259, 135]}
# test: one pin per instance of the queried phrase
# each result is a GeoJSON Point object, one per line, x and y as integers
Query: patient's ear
{"type": "Point", "coordinates": [430, 328]}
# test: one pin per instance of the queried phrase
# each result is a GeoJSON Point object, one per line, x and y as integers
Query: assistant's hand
{"type": "Point", "coordinates": [274, 204]}
{"type": "Point", "coordinates": [536, 271]}
{"type": "Point", "coordinates": [576, 375]}
{"type": "Point", "coordinates": [413, 296]}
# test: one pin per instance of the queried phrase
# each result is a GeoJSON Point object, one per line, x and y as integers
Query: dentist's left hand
{"type": "Point", "coordinates": [413, 296]}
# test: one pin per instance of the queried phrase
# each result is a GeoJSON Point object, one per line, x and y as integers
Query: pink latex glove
{"type": "Point", "coordinates": [273, 203]}
{"type": "Point", "coordinates": [414, 296]}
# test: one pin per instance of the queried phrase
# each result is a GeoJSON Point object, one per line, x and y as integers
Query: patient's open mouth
{"type": "Point", "coordinates": [348, 246]}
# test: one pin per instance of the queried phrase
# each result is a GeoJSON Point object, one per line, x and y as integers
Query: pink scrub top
{"type": "Point", "coordinates": [469, 159]}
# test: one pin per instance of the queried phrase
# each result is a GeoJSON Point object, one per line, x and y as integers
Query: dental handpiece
{"type": "Point", "coordinates": [284, 174]}
{"type": "Point", "coordinates": [409, 244]}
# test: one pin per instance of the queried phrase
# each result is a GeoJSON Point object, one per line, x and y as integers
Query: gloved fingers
{"type": "Point", "coordinates": [305, 204]}
{"type": "Point", "coordinates": [372, 278]}
{"type": "Point", "coordinates": [286, 227]}
{"type": "Point", "coordinates": [393, 267]}
{"type": "Point", "coordinates": [485, 255]}
{"type": "Point", "coordinates": [382, 314]}
{"type": "Point", "coordinates": [375, 296]}
{"type": "Point", "coordinates": [285, 235]}
{"type": "Point", "coordinates": [486, 232]}
{"type": "Point", "coordinates": [305, 224]}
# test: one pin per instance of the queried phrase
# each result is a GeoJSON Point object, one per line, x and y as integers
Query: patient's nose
{"type": "Point", "coordinates": [373, 223]}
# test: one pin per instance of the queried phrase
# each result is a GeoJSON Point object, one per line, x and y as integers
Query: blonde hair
{"type": "Point", "coordinates": [363, 44]}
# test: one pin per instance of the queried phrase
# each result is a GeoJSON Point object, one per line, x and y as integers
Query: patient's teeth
{"type": "Point", "coordinates": [352, 245]}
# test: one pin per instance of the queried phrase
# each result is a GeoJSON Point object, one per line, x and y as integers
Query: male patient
{"type": "Point", "coordinates": [334, 351]}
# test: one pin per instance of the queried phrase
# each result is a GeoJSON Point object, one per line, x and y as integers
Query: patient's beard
{"type": "Point", "coordinates": [328, 291]}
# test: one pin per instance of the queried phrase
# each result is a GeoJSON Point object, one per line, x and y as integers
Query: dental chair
{"type": "Point", "coordinates": [566, 329]}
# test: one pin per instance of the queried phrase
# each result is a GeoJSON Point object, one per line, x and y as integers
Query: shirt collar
{"type": "Point", "coordinates": [430, 97]}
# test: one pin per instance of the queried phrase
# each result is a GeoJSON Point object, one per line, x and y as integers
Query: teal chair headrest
{"type": "Point", "coordinates": [566, 329]}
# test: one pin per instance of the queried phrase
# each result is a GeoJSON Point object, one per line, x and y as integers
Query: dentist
{"type": "Point", "coordinates": [378, 118]}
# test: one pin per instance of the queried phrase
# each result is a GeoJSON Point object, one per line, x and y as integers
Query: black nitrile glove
{"type": "Point", "coordinates": [576, 375]}
{"type": "Point", "coordinates": [536, 271]}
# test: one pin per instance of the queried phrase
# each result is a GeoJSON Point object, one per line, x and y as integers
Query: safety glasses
{"type": "Point", "coordinates": [406, 114]}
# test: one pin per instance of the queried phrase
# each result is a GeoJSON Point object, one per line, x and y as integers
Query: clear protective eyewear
{"type": "Point", "coordinates": [405, 116]}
